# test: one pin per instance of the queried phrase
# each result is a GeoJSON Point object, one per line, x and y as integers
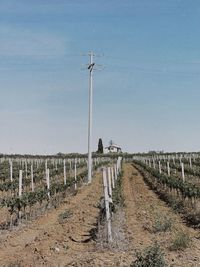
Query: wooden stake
{"type": "Point", "coordinates": [75, 178]}
{"type": "Point", "coordinates": [168, 169]}
{"type": "Point", "coordinates": [26, 168]}
{"type": "Point", "coordinates": [182, 171]}
{"type": "Point", "coordinates": [109, 182]}
{"type": "Point", "coordinates": [32, 183]}
{"type": "Point", "coordinates": [11, 171]}
{"type": "Point", "coordinates": [48, 181]}
{"type": "Point", "coordinates": [20, 183]}
{"type": "Point", "coordinates": [190, 160]}
{"type": "Point", "coordinates": [154, 165]}
{"type": "Point", "coordinates": [112, 177]}
{"type": "Point", "coordinates": [64, 169]}
{"type": "Point", "coordinates": [106, 197]}
{"type": "Point", "coordinates": [159, 165]}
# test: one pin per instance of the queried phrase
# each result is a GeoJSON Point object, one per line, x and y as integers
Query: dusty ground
{"type": "Point", "coordinates": [54, 240]}
{"type": "Point", "coordinates": [142, 208]}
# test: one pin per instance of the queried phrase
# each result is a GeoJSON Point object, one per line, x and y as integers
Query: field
{"type": "Point", "coordinates": [67, 225]}
{"type": "Point", "coordinates": [99, 141]}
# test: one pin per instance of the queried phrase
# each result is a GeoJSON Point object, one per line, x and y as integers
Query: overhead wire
{"type": "Point", "coordinates": [51, 62]}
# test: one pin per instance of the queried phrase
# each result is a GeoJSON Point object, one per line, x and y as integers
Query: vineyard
{"type": "Point", "coordinates": [137, 209]}
{"type": "Point", "coordinates": [177, 180]}
{"type": "Point", "coordinates": [99, 141]}
{"type": "Point", "coordinates": [28, 188]}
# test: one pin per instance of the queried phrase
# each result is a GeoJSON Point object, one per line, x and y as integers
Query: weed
{"type": "Point", "coordinates": [181, 241]}
{"type": "Point", "coordinates": [162, 224]}
{"type": "Point", "coordinates": [151, 257]}
{"type": "Point", "coordinates": [64, 216]}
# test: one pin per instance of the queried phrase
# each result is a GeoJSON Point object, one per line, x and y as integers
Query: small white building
{"type": "Point", "coordinates": [113, 148]}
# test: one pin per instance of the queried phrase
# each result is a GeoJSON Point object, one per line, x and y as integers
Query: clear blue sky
{"type": "Point", "coordinates": [146, 98]}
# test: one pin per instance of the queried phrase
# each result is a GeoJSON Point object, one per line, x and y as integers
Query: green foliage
{"type": "Point", "coordinates": [39, 173]}
{"type": "Point", "coordinates": [117, 196]}
{"type": "Point", "coordinates": [8, 185]}
{"type": "Point", "coordinates": [161, 184]}
{"type": "Point", "coordinates": [64, 216]}
{"type": "Point", "coordinates": [187, 189]}
{"type": "Point", "coordinates": [25, 206]}
{"type": "Point", "coordinates": [151, 257]}
{"type": "Point", "coordinates": [162, 224]}
{"type": "Point", "coordinates": [15, 204]}
{"type": "Point", "coordinates": [100, 146]}
{"type": "Point", "coordinates": [181, 241]}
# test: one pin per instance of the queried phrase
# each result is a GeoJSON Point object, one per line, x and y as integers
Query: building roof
{"type": "Point", "coordinates": [113, 145]}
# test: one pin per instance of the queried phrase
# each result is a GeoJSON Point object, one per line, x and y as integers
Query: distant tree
{"type": "Point", "coordinates": [60, 154]}
{"type": "Point", "coordinates": [100, 146]}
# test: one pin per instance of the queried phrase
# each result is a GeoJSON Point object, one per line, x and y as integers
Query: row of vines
{"type": "Point", "coordinates": [42, 185]}
{"type": "Point", "coordinates": [183, 195]}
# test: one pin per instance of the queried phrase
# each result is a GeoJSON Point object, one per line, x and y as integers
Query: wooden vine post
{"type": "Point", "coordinates": [56, 165]}
{"type": "Point", "coordinates": [48, 181]}
{"type": "Point", "coordinates": [20, 183]}
{"type": "Point", "coordinates": [107, 200]}
{"type": "Point", "coordinates": [115, 171]}
{"type": "Point", "coordinates": [168, 169]}
{"type": "Point", "coordinates": [149, 163]}
{"type": "Point", "coordinates": [46, 166]}
{"type": "Point", "coordinates": [26, 168]}
{"type": "Point", "coordinates": [159, 166]}
{"type": "Point", "coordinates": [190, 161]}
{"type": "Point", "coordinates": [109, 182]}
{"type": "Point", "coordinates": [64, 170]}
{"type": "Point", "coordinates": [112, 177]}
{"type": "Point", "coordinates": [70, 164]}
{"type": "Point", "coordinates": [182, 171]}
{"type": "Point", "coordinates": [11, 171]}
{"type": "Point", "coordinates": [20, 193]}
{"type": "Point", "coordinates": [75, 174]}
{"type": "Point", "coordinates": [154, 165]}
{"type": "Point", "coordinates": [32, 183]}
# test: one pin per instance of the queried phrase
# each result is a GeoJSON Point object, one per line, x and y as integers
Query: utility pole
{"type": "Point", "coordinates": [90, 68]}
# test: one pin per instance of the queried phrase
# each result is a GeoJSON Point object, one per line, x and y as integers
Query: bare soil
{"type": "Point", "coordinates": [66, 236]}
{"type": "Point", "coordinates": [143, 207]}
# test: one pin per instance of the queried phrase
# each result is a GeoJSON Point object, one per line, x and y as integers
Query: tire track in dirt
{"type": "Point", "coordinates": [132, 189]}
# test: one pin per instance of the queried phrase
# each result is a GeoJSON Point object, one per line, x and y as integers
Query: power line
{"type": "Point", "coordinates": [161, 61]}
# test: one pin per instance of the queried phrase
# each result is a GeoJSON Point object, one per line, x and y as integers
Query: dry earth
{"type": "Point", "coordinates": [63, 236]}
{"type": "Point", "coordinates": [143, 207]}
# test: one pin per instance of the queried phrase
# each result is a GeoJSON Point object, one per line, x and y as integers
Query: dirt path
{"type": "Point", "coordinates": [143, 208]}
{"type": "Point", "coordinates": [63, 237]}
{"type": "Point", "coordinates": [54, 242]}
{"type": "Point", "coordinates": [49, 240]}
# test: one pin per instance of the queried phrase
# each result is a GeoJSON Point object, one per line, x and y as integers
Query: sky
{"type": "Point", "coordinates": [145, 93]}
